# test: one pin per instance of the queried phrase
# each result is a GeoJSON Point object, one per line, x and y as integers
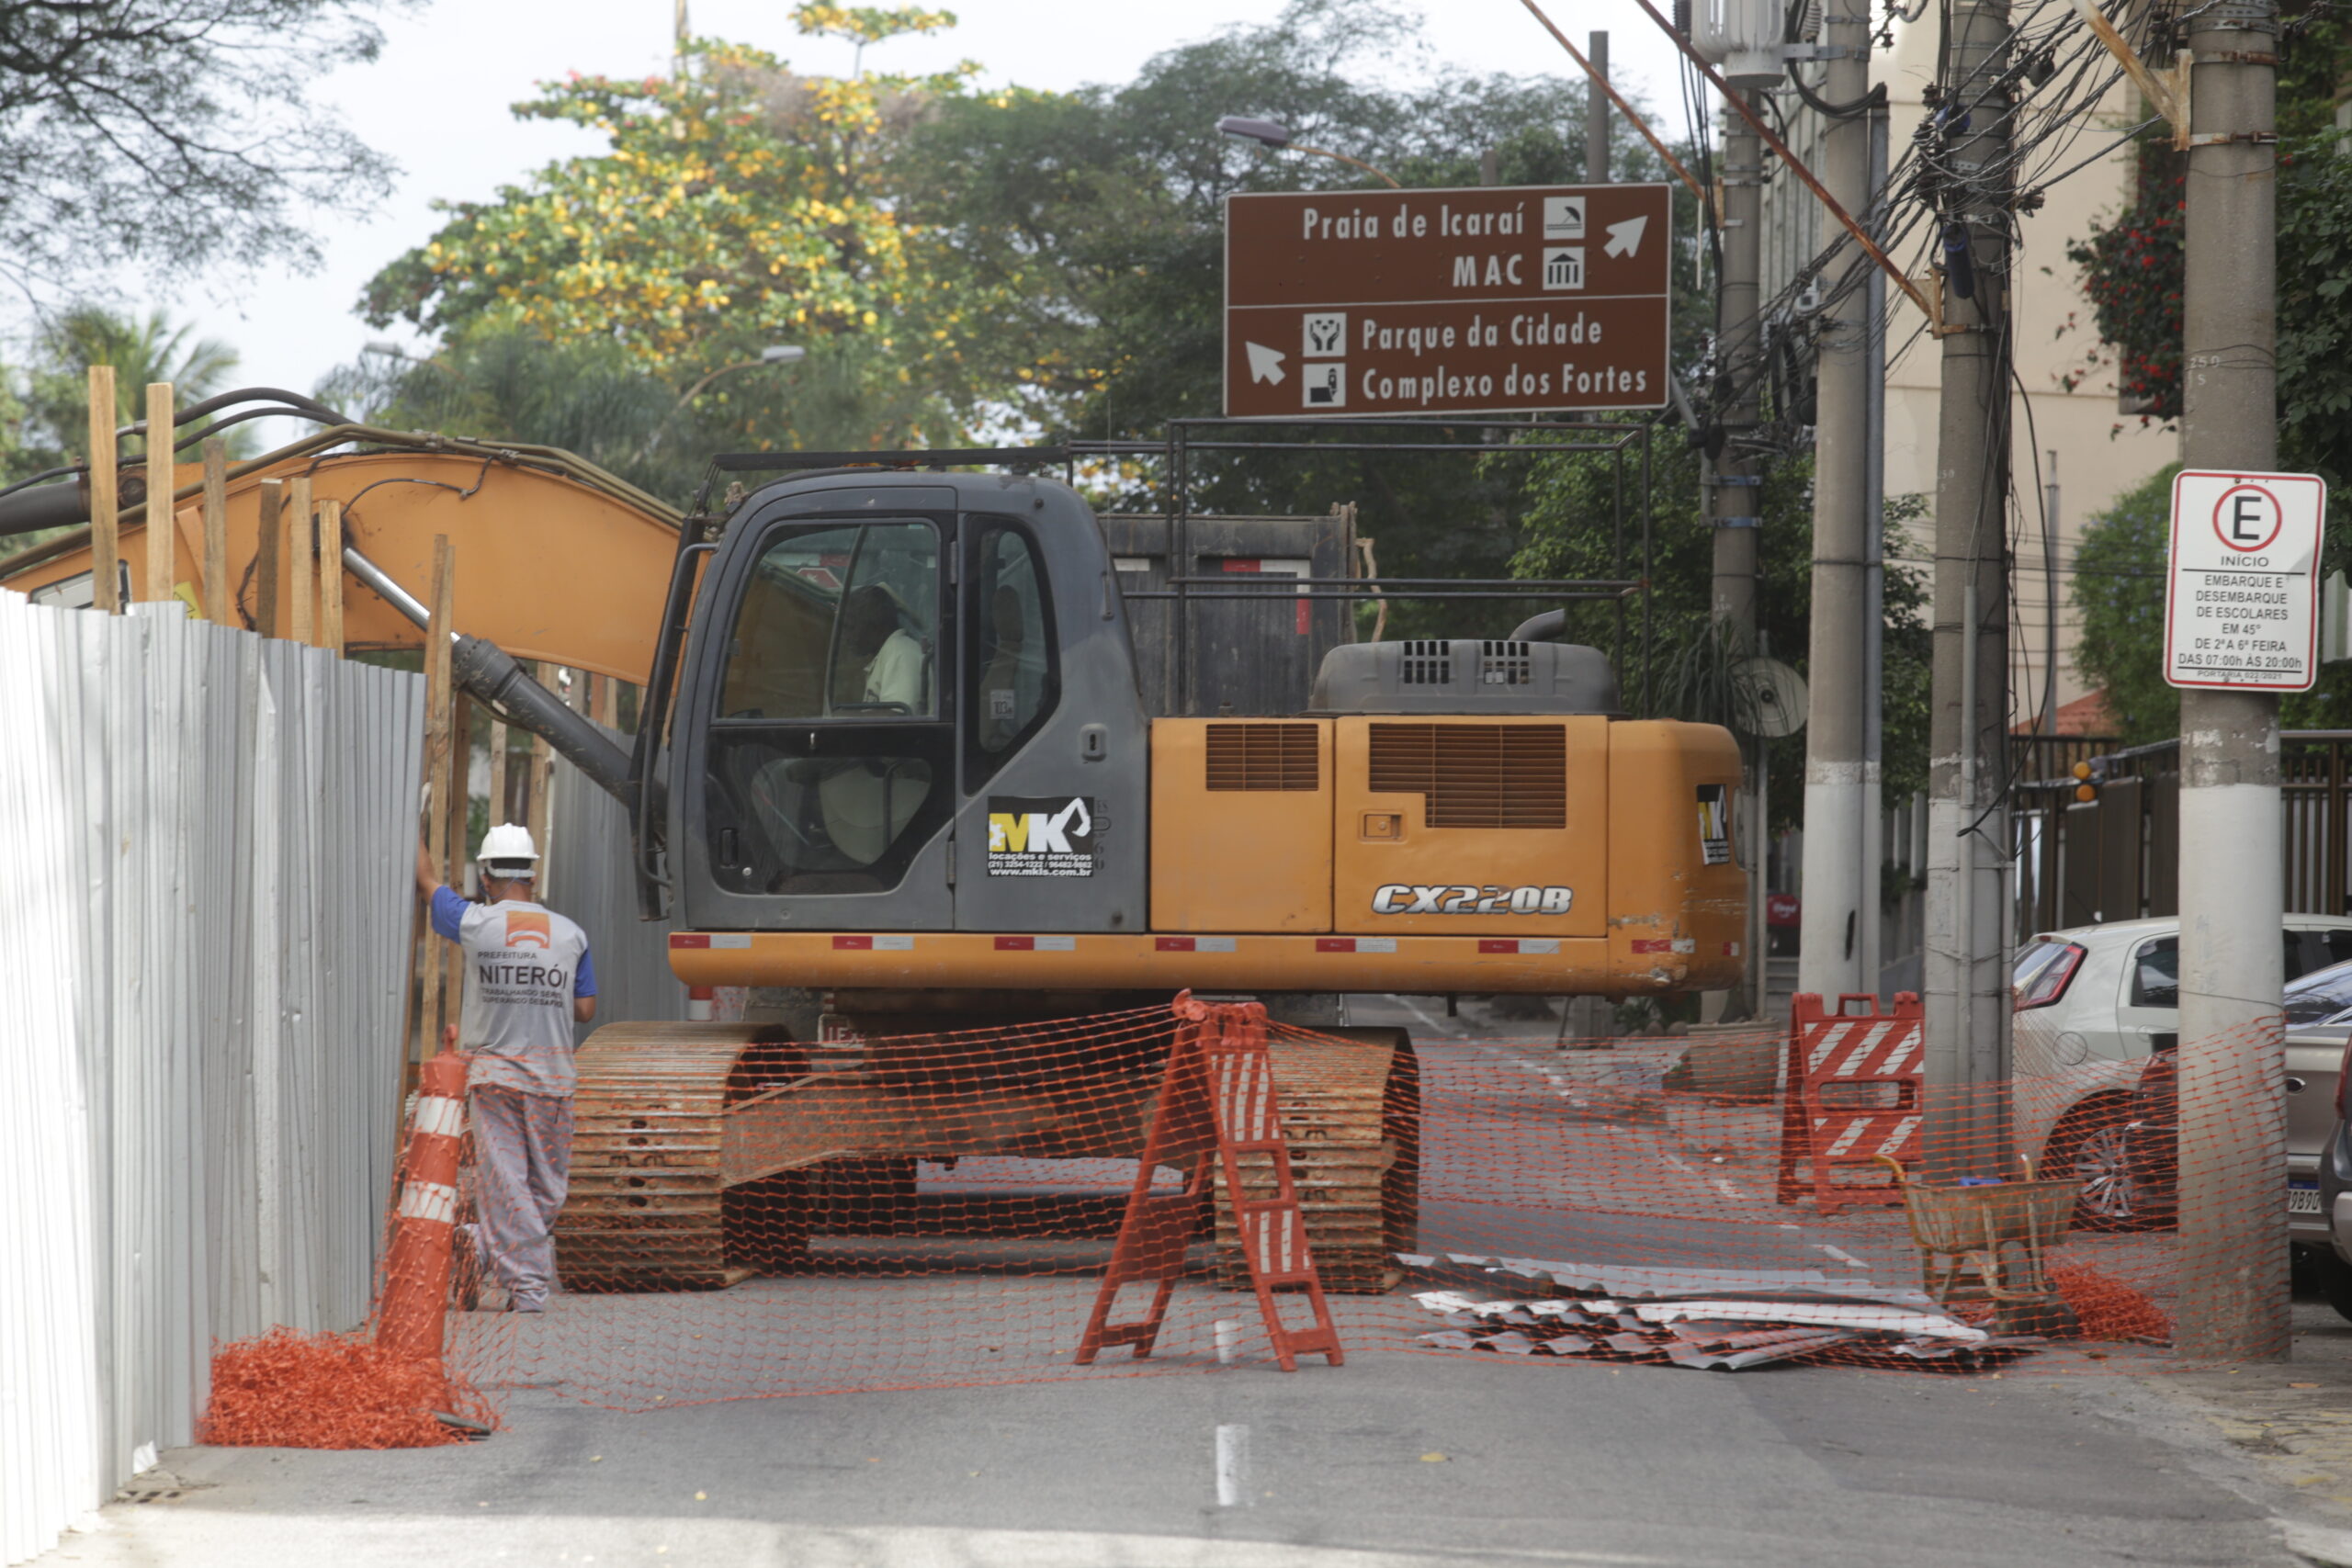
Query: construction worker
{"type": "Point", "coordinates": [529, 980]}
{"type": "Point", "coordinates": [874, 635]}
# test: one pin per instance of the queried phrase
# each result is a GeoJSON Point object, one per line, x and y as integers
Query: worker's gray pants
{"type": "Point", "coordinates": [522, 1167]}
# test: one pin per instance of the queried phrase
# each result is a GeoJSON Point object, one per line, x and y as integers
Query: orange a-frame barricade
{"type": "Point", "coordinates": [1854, 1081]}
{"type": "Point", "coordinates": [1216, 1104]}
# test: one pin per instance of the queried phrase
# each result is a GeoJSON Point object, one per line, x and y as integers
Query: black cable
{"type": "Point", "coordinates": [183, 443]}
{"type": "Point", "coordinates": [1873, 99]}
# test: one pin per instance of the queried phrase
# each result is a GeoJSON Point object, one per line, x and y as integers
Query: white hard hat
{"type": "Point", "coordinates": [507, 852]}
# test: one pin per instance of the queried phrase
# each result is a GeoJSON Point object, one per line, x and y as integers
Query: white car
{"type": "Point", "coordinates": [2093, 1003]}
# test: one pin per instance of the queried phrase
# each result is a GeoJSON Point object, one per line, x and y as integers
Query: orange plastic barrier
{"type": "Point", "coordinates": [1852, 1095]}
{"type": "Point", "coordinates": [1216, 1104]}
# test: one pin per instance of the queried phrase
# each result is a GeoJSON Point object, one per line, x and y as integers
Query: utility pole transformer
{"type": "Point", "coordinates": [1840, 777]}
{"type": "Point", "coordinates": [1968, 1020]}
{"type": "Point", "coordinates": [2232, 895]}
{"type": "Point", "coordinates": [1736, 496]}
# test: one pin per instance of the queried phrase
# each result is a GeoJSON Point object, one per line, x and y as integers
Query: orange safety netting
{"type": "Point", "coordinates": [331, 1391]}
{"type": "Point", "coordinates": [904, 1209]}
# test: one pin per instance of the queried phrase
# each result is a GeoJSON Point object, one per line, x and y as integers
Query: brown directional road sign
{"type": "Point", "coordinates": [1493, 299]}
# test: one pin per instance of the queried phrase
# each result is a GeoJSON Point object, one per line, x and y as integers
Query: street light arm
{"type": "Point", "coordinates": [695, 390]}
{"type": "Point", "coordinates": [1342, 157]}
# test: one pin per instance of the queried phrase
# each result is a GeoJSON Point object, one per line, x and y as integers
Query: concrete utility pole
{"type": "Point", "coordinates": [1874, 573]}
{"type": "Point", "coordinates": [1840, 785]}
{"type": "Point", "coordinates": [1595, 113]}
{"type": "Point", "coordinates": [1968, 908]}
{"type": "Point", "coordinates": [2232, 1227]}
{"type": "Point", "coordinates": [1736, 494]}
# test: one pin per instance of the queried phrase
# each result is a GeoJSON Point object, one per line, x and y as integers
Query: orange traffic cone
{"type": "Point", "coordinates": [416, 1276]}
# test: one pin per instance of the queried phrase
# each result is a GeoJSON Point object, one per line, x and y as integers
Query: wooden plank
{"type": "Point", "coordinates": [331, 575]}
{"type": "Point", "coordinates": [215, 569]}
{"type": "Point", "coordinates": [436, 778]}
{"type": "Point", "coordinates": [266, 556]}
{"type": "Point", "coordinates": [161, 553]}
{"type": "Point", "coordinates": [106, 498]}
{"type": "Point", "coordinates": [453, 984]}
{"type": "Point", "coordinates": [301, 537]}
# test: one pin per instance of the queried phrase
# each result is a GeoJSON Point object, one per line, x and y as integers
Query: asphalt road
{"type": "Point", "coordinates": [1395, 1459]}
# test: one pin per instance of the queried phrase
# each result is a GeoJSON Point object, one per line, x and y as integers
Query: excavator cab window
{"type": "Point", "coordinates": [1013, 672]}
{"type": "Point", "coordinates": [831, 762]}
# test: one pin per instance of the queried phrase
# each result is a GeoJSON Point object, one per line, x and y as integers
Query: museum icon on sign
{"type": "Point", "coordinates": [1563, 267]}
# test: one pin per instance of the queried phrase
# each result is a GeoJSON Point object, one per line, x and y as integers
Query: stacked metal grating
{"type": "Point", "coordinates": [1709, 1320]}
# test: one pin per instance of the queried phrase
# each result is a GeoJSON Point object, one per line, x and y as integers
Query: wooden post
{"type": "Point", "coordinates": [302, 556]}
{"type": "Point", "coordinates": [461, 758]}
{"type": "Point", "coordinates": [331, 575]}
{"type": "Point", "coordinates": [498, 740]}
{"type": "Point", "coordinates": [216, 531]}
{"type": "Point", "coordinates": [273, 503]}
{"type": "Point", "coordinates": [607, 702]}
{"type": "Point", "coordinates": [105, 497]}
{"type": "Point", "coordinates": [535, 806]}
{"type": "Point", "coordinates": [162, 557]}
{"type": "Point", "coordinates": [437, 780]}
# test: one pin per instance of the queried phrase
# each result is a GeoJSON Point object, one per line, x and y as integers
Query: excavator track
{"type": "Point", "coordinates": [646, 1209]}
{"type": "Point", "coordinates": [1349, 1101]}
{"type": "Point", "coordinates": [650, 1207]}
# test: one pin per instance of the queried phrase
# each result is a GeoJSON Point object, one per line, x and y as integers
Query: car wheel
{"type": "Point", "coordinates": [2334, 1276]}
{"type": "Point", "coordinates": [2096, 1145]}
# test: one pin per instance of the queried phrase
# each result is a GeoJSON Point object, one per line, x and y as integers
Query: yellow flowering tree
{"type": "Point", "coordinates": [738, 205]}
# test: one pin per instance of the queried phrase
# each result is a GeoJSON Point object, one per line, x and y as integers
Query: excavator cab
{"type": "Point", "coordinates": [907, 702]}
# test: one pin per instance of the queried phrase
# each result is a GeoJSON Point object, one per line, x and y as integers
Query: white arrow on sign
{"type": "Point", "coordinates": [1265, 364]}
{"type": "Point", "coordinates": [1625, 238]}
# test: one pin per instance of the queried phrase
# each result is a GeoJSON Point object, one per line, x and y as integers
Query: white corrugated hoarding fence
{"type": "Point", "coordinates": [205, 843]}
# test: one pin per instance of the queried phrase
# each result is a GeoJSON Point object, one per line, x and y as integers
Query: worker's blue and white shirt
{"type": "Point", "coordinates": [524, 963]}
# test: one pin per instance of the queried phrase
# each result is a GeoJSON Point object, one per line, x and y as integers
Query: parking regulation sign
{"type": "Point", "coordinates": [2241, 596]}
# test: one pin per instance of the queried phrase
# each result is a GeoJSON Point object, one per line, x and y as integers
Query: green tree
{"type": "Point", "coordinates": [170, 133]}
{"type": "Point", "coordinates": [1569, 498]}
{"type": "Point", "coordinates": [50, 420]}
{"type": "Point", "coordinates": [1097, 218]}
{"type": "Point", "coordinates": [2119, 591]}
{"type": "Point", "coordinates": [599, 398]}
{"type": "Point", "coordinates": [737, 206]}
{"type": "Point", "coordinates": [2134, 272]}
{"type": "Point", "coordinates": [2119, 588]}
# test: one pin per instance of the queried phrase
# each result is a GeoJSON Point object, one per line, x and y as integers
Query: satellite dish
{"type": "Point", "coordinates": [1767, 698]}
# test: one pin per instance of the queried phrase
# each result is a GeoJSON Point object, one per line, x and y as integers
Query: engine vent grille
{"type": "Point", "coordinates": [1505, 664]}
{"type": "Point", "coordinates": [1477, 776]}
{"type": "Point", "coordinates": [1427, 662]}
{"type": "Point", "coordinates": [1264, 757]}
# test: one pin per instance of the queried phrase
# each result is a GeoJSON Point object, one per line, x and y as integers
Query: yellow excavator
{"type": "Point", "coordinates": [891, 752]}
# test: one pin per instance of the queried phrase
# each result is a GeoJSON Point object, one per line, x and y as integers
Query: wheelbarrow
{"type": "Point", "coordinates": [1989, 1241]}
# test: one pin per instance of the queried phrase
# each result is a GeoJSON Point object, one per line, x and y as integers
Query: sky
{"type": "Point", "coordinates": [437, 102]}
